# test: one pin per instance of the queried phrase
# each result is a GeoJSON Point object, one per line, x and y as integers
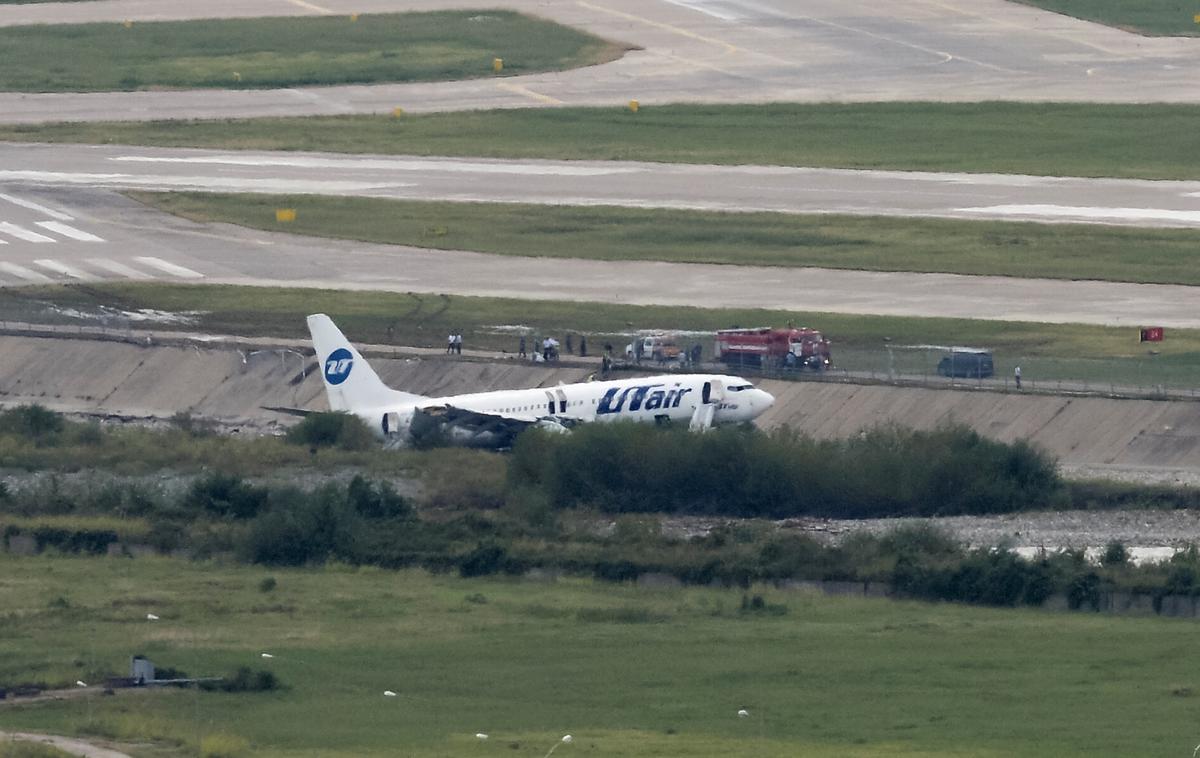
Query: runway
{"type": "Point", "coordinates": [695, 51]}
{"type": "Point", "coordinates": [62, 219]}
{"type": "Point", "coordinates": [136, 243]}
{"type": "Point", "coordinates": [628, 184]}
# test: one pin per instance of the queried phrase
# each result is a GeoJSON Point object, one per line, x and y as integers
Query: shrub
{"type": "Point", "coordinates": [377, 501]}
{"type": "Point", "coordinates": [226, 496]}
{"type": "Point", "coordinates": [1114, 555]}
{"type": "Point", "coordinates": [340, 430]}
{"type": "Point", "coordinates": [738, 472]}
{"type": "Point", "coordinates": [33, 422]}
{"type": "Point", "coordinates": [302, 528]}
{"type": "Point", "coordinates": [267, 585]}
{"type": "Point", "coordinates": [482, 561]}
{"type": "Point", "coordinates": [244, 679]}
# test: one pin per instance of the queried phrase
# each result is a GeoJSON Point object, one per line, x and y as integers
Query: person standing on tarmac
{"type": "Point", "coordinates": [1017, 376]}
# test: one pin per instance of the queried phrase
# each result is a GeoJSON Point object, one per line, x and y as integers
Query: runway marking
{"type": "Point", "coordinates": [659, 25]}
{"type": "Point", "coordinates": [69, 231]}
{"type": "Point", "coordinates": [1068, 211]}
{"type": "Point", "coordinates": [945, 56]}
{"type": "Point", "coordinates": [312, 7]}
{"type": "Point", "coordinates": [22, 233]}
{"type": "Point", "coordinates": [170, 268]}
{"type": "Point", "coordinates": [1034, 29]}
{"type": "Point", "coordinates": [388, 164]}
{"type": "Point", "coordinates": [275, 186]}
{"type": "Point", "coordinates": [700, 7]}
{"type": "Point", "coordinates": [118, 268]}
{"type": "Point", "coordinates": [61, 268]}
{"type": "Point", "coordinates": [526, 92]}
{"type": "Point", "coordinates": [23, 273]}
{"type": "Point", "coordinates": [36, 207]}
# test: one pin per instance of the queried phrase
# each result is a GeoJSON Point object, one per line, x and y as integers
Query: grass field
{"type": "Point", "coordinates": [627, 672]}
{"type": "Point", "coordinates": [1151, 17]}
{"type": "Point", "coordinates": [1046, 351]}
{"type": "Point", "coordinates": [1144, 141]}
{"type": "Point", "coordinates": [873, 243]}
{"type": "Point", "coordinates": [288, 52]}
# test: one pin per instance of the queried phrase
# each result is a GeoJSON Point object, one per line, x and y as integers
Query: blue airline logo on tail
{"type": "Point", "coordinates": [338, 365]}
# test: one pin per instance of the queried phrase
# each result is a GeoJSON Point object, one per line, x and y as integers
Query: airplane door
{"type": "Point", "coordinates": [562, 401]}
{"type": "Point", "coordinates": [550, 402]}
{"type": "Point", "coordinates": [706, 393]}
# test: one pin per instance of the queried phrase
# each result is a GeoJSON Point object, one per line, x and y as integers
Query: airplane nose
{"type": "Point", "coordinates": [765, 399]}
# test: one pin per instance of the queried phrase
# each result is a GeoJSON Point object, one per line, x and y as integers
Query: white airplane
{"type": "Point", "coordinates": [493, 419]}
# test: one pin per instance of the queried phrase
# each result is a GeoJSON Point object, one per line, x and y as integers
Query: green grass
{"type": "Point", "coordinates": [873, 243]}
{"type": "Point", "coordinates": [288, 52]}
{"type": "Point", "coordinates": [1144, 141]}
{"type": "Point", "coordinates": [1046, 352]}
{"type": "Point", "coordinates": [1151, 17]}
{"type": "Point", "coordinates": [627, 672]}
{"type": "Point", "coordinates": [30, 750]}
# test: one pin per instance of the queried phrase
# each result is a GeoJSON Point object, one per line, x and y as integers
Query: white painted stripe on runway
{"type": "Point", "coordinates": [312, 7]}
{"type": "Point", "coordinates": [701, 6]}
{"type": "Point", "coordinates": [23, 273]}
{"type": "Point", "coordinates": [119, 268]}
{"type": "Point", "coordinates": [36, 207]}
{"type": "Point", "coordinates": [69, 231]}
{"type": "Point", "coordinates": [59, 267]}
{"type": "Point", "coordinates": [22, 233]}
{"type": "Point", "coordinates": [280, 186]}
{"type": "Point", "coordinates": [171, 268]}
{"type": "Point", "coordinates": [1088, 212]}
{"type": "Point", "coordinates": [388, 164]}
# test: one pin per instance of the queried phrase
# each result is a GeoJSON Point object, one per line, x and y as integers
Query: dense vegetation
{"type": "Point", "coordinates": [549, 513]}
{"type": "Point", "coordinates": [742, 472]}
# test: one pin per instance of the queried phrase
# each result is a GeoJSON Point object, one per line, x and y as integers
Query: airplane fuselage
{"type": "Point", "coordinates": [660, 399]}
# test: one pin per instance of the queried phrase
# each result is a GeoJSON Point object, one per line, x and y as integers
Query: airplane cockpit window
{"type": "Point", "coordinates": [739, 387]}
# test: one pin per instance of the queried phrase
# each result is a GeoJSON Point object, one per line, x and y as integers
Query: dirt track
{"type": "Point", "coordinates": [1147, 440]}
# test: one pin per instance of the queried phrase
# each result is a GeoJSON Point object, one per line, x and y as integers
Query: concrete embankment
{"type": "Point", "coordinates": [233, 384]}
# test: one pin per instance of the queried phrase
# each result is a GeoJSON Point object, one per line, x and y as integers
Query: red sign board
{"type": "Point", "coordinates": [1152, 334]}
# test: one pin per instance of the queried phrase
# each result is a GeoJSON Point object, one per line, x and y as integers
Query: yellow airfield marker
{"type": "Point", "coordinates": [497, 65]}
{"type": "Point", "coordinates": [284, 215]}
{"type": "Point", "coordinates": [633, 106]}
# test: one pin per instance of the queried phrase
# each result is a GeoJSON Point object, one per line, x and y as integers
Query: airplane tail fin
{"type": "Point", "coordinates": [350, 382]}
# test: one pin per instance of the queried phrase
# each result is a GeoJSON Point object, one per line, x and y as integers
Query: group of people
{"type": "Point", "coordinates": [454, 344]}
{"type": "Point", "coordinates": [549, 348]}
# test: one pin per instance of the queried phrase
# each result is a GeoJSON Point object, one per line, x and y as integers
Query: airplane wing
{"type": "Point", "coordinates": [478, 421]}
{"type": "Point", "coordinates": [301, 412]}
{"type": "Point", "coordinates": [478, 428]}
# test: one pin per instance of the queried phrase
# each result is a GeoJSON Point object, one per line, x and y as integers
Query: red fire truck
{"type": "Point", "coordinates": [766, 347]}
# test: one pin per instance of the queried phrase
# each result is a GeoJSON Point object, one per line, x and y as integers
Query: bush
{"type": "Point", "coordinates": [484, 560]}
{"type": "Point", "coordinates": [740, 472]}
{"type": "Point", "coordinates": [340, 430]}
{"type": "Point", "coordinates": [226, 496]}
{"type": "Point", "coordinates": [301, 528]}
{"type": "Point", "coordinates": [244, 680]}
{"type": "Point", "coordinates": [377, 501]}
{"type": "Point", "coordinates": [33, 422]}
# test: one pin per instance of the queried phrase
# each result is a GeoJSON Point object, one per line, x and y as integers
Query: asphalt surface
{"type": "Point", "coordinates": [698, 51]}
{"type": "Point", "coordinates": [643, 185]}
{"type": "Point", "coordinates": [134, 242]}
{"type": "Point", "coordinates": [79, 229]}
